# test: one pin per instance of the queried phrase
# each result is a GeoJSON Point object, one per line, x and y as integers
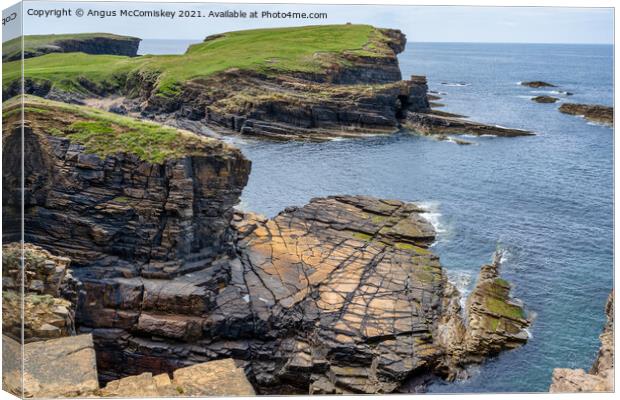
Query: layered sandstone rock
{"type": "Point", "coordinates": [494, 322]}
{"type": "Point", "coordinates": [436, 123]}
{"type": "Point", "coordinates": [342, 295]}
{"type": "Point", "coordinates": [163, 217]}
{"type": "Point", "coordinates": [214, 378]}
{"type": "Point", "coordinates": [289, 107]}
{"type": "Point", "coordinates": [339, 296]}
{"type": "Point", "coordinates": [350, 93]}
{"type": "Point", "coordinates": [600, 378]}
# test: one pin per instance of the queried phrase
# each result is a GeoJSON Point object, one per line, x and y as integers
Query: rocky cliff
{"type": "Point", "coordinates": [342, 295]}
{"type": "Point", "coordinates": [305, 83]}
{"type": "Point", "coordinates": [90, 43]}
{"type": "Point", "coordinates": [600, 378]}
{"type": "Point", "coordinates": [165, 208]}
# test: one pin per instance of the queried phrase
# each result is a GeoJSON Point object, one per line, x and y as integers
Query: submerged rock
{"type": "Point", "coordinates": [439, 123]}
{"type": "Point", "coordinates": [545, 99]}
{"type": "Point", "coordinates": [600, 378]}
{"type": "Point", "coordinates": [537, 84]}
{"type": "Point", "coordinates": [595, 113]}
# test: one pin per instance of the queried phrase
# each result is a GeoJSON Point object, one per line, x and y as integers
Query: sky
{"type": "Point", "coordinates": [419, 23]}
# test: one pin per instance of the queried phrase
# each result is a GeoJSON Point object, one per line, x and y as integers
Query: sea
{"type": "Point", "coordinates": [545, 201]}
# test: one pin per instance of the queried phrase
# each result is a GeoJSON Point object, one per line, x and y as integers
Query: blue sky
{"type": "Point", "coordinates": [421, 24]}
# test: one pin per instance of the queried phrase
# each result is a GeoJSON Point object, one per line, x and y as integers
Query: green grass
{"type": "Point", "coordinates": [502, 282]}
{"type": "Point", "coordinates": [308, 49]}
{"type": "Point", "coordinates": [104, 133]}
{"type": "Point", "coordinates": [13, 47]}
{"type": "Point", "coordinates": [500, 307]}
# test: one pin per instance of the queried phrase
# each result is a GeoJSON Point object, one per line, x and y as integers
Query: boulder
{"type": "Point", "coordinates": [214, 378]}
{"type": "Point", "coordinates": [63, 367]}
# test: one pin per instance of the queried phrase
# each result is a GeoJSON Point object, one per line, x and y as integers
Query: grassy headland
{"type": "Point", "coordinates": [104, 133]}
{"type": "Point", "coordinates": [272, 51]}
{"type": "Point", "coordinates": [32, 43]}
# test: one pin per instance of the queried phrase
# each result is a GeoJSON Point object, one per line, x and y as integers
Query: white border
{"type": "Point", "coordinates": [536, 3]}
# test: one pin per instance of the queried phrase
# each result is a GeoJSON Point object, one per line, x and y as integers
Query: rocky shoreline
{"type": "Point", "coordinates": [342, 295]}
{"type": "Point", "coordinates": [357, 95]}
{"type": "Point", "coordinates": [136, 252]}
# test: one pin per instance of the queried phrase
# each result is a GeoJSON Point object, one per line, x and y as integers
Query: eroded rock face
{"type": "Point", "coordinates": [291, 107]}
{"type": "Point", "coordinates": [163, 218]}
{"type": "Point", "coordinates": [47, 306]}
{"type": "Point", "coordinates": [494, 322]}
{"type": "Point", "coordinates": [600, 378]}
{"type": "Point", "coordinates": [342, 295]}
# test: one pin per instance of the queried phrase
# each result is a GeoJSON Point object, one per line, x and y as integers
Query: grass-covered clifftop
{"type": "Point", "coordinates": [104, 133]}
{"type": "Point", "coordinates": [309, 49]}
{"type": "Point", "coordinates": [94, 43]}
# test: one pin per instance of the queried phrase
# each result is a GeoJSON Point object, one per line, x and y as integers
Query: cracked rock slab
{"type": "Point", "coordinates": [62, 367]}
{"type": "Point", "coordinates": [214, 378]}
{"type": "Point", "coordinates": [356, 273]}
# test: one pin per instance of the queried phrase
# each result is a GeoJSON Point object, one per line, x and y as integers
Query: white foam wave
{"type": "Point", "coordinates": [432, 215]}
{"type": "Point", "coordinates": [462, 281]}
{"type": "Point", "coordinates": [455, 84]}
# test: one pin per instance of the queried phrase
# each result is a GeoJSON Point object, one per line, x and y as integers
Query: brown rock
{"type": "Point", "coordinates": [596, 113]}
{"type": "Point", "coordinates": [214, 378]}
{"type": "Point", "coordinates": [495, 322]}
{"type": "Point", "coordinates": [537, 84]}
{"type": "Point", "coordinates": [439, 123]}
{"type": "Point", "coordinates": [62, 367]}
{"type": "Point", "coordinates": [545, 99]}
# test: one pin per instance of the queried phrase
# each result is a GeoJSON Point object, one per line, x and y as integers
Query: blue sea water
{"type": "Point", "coordinates": [546, 200]}
{"type": "Point", "coordinates": [165, 46]}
